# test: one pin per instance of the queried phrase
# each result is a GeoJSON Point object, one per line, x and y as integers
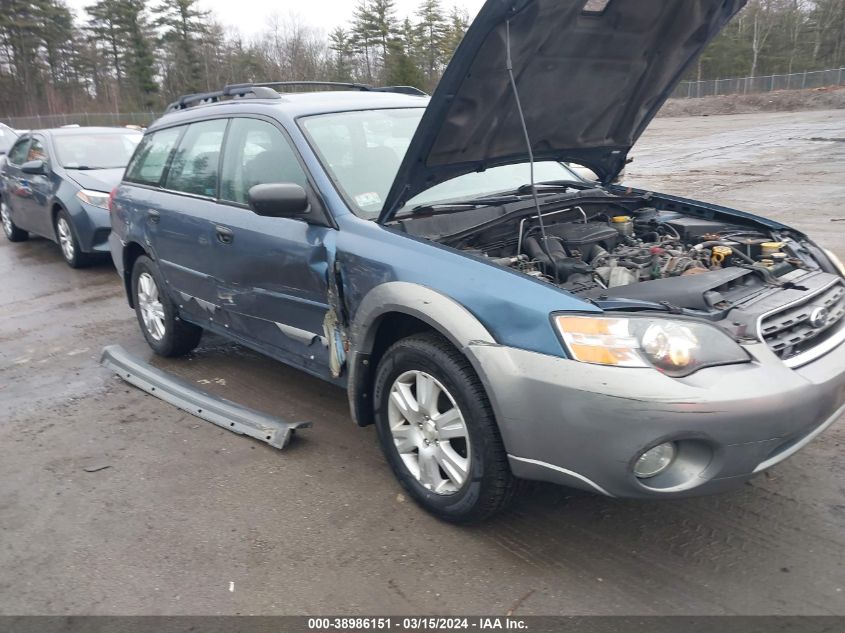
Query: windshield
{"type": "Point", "coordinates": [362, 152]}
{"type": "Point", "coordinates": [109, 150]}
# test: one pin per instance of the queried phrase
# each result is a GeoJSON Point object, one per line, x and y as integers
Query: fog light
{"type": "Point", "coordinates": [655, 461]}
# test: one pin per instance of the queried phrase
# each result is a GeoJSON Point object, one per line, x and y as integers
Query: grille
{"type": "Point", "coordinates": [792, 331]}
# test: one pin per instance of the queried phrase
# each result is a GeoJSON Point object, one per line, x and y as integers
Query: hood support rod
{"type": "Point", "coordinates": [509, 66]}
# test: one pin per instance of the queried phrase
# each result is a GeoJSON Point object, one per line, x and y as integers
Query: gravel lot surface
{"type": "Point", "coordinates": [190, 519]}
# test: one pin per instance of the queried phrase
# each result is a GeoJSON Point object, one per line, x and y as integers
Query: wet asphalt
{"type": "Point", "coordinates": [182, 517]}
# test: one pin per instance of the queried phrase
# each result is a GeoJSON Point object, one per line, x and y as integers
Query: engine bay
{"type": "Point", "coordinates": [604, 250]}
{"type": "Point", "coordinates": [636, 251]}
{"type": "Point", "coordinates": [648, 252]}
{"type": "Point", "coordinates": [604, 245]}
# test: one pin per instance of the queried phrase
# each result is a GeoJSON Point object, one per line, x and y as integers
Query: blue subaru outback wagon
{"type": "Point", "coordinates": [494, 315]}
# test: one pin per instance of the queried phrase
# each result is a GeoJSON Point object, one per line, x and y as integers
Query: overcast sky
{"type": "Point", "coordinates": [250, 16]}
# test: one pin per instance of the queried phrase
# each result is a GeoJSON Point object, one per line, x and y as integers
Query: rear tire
{"type": "Point", "coordinates": [166, 333]}
{"type": "Point", "coordinates": [69, 243]}
{"type": "Point", "coordinates": [444, 448]}
{"type": "Point", "coordinates": [13, 233]}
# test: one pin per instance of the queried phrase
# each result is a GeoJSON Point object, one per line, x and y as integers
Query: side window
{"type": "Point", "coordinates": [17, 155]}
{"type": "Point", "coordinates": [37, 151]}
{"type": "Point", "coordinates": [196, 162]}
{"type": "Point", "coordinates": [257, 153]}
{"type": "Point", "coordinates": [150, 158]}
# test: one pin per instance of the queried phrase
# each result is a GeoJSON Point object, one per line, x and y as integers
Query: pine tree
{"type": "Point", "coordinates": [139, 60]}
{"type": "Point", "coordinates": [384, 24]}
{"type": "Point", "coordinates": [56, 33]}
{"type": "Point", "coordinates": [363, 36]}
{"type": "Point", "coordinates": [121, 28]}
{"type": "Point", "coordinates": [340, 44]}
{"type": "Point", "coordinates": [106, 33]}
{"type": "Point", "coordinates": [457, 28]}
{"type": "Point", "coordinates": [432, 32]}
{"type": "Point", "coordinates": [182, 24]}
{"type": "Point", "coordinates": [400, 67]}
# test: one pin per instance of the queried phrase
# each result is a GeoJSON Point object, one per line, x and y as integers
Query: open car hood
{"type": "Point", "coordinates": [591, 76]}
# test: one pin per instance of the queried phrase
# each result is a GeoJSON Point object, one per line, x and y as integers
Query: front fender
{"type": "Point", "coordinates": [441, 313]}
{"type": "Point", "coordinates": [92, 224]}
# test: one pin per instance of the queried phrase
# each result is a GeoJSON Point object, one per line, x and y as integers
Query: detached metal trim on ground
{"type": "Point", "coordinates": [224, 413]}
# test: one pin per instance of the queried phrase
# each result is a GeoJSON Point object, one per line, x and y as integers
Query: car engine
{"type": "Point", "coordinates": [585, 251]}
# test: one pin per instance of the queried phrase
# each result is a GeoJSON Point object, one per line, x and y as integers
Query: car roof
{"type": "Point", "coordinates": [295, 105]}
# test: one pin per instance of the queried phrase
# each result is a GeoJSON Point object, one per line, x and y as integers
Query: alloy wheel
{"type": "Point", "coordinates": [152, 310]}
{"type": "Point", "coordinates": [8, 227]}
{"type": "Point", "coordinates": [65, 239]}
{"type": "Point", "coordinates": [429, 432]}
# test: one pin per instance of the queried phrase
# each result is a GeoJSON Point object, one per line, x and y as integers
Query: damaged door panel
{"type": "Point", "coordinates": [336, 322]}
{"type": "Point", "coordinates": [271, 272]}
{"type": "Point", "coordinates": [272, 288]}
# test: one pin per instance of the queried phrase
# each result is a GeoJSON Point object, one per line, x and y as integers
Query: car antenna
{"type": "Point", "coordinates": [534, 195]}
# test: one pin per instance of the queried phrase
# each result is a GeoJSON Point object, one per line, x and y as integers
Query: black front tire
{"type": "Point", "coordinates": [490, 485]}
{"type": "Point", "coordinates": [178, 337]}
{"type": "Point", "coordinates": [13, 233]}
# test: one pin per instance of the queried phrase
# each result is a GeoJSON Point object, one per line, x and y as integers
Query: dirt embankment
{"type": "Point", "coordinates": [829, 98]}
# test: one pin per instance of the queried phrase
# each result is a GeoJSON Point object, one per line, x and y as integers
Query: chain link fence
{"type": "Point", "coordinates": [752, 85]}
{"type": "Point", "coordinates": [109, 119]}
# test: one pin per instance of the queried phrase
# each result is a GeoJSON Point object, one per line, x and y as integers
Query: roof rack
{"type": "Point", "coordinates": [408, 90]}
{"type": "Point", "coordinates": [268, 90]}
{"type": "Point", "coordinates": [235, 91]}
{"type": "Point", "coordinates": [315, 84]}
{"type": "Point", "coordinates": [405, 90]}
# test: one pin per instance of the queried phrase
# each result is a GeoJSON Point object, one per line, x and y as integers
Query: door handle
{"type": "Point", "coordinates": [154, 216]}
{"type": "Point", "coordinates": [224, 235]}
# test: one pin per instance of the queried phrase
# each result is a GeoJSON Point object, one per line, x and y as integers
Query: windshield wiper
{"type": "Point", "coordinates": [554, 185]}
{"type": "Point", "coordinates": [465, 205]}
{"type": "Point", "coordinates": [89, 168]}
{"type": "Point", "coordinates": [545, 191]}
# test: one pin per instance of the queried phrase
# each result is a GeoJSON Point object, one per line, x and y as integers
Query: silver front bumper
{"type": "Point", "coordinates": [585, 425]}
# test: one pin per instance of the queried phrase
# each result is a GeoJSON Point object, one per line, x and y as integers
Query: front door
{"type": "Point", "coordinates": [272, 272]}
{"type": "Point", "coordinates": [35, 206]}
{"type": "Point", "coordinates": [13, 190]}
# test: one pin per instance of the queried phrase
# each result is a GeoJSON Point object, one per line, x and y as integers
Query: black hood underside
{"type": "Point", "coordinates": [589, 82]}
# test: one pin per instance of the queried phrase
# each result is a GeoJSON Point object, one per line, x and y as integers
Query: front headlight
{"type": "Point", "coordinates": [675, 347]}
{"type": "Point", "coordinates": [837, 263]}
{"type": "Point", "coordinates": [94, 198]}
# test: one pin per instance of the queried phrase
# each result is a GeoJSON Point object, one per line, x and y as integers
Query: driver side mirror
{"type": "Point", "coordinates": [279, 200]}
{"type": "Point", "coordinates": [34, 167]}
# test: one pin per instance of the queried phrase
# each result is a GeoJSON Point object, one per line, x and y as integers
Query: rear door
{"type": "Point", "coordinates": [175, 173]}
{"type": "Point", "coordinates": [273, 272]}
{"type": "Point", "coordinates": [183, 232]}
